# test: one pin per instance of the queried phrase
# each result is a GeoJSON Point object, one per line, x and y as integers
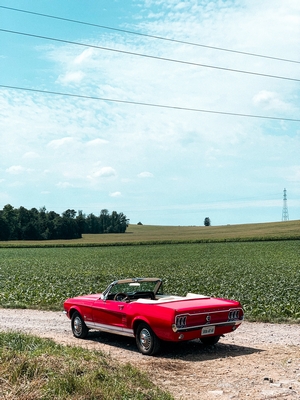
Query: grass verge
{"type": "Point", "coordinates": [32, 368]}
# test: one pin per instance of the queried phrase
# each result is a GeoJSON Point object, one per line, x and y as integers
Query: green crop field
{"type": "Point", "coordinates": [263, 275]}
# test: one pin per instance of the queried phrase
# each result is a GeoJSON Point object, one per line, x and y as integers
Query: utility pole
{"type": "Point", "coordinates": [285, 212]}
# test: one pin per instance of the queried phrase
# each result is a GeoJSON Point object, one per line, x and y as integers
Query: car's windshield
{"type": "Point", "coordinates": [133, 287]}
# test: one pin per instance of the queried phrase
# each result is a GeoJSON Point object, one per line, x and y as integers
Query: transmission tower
{"type": "Point", "coordinates": [285, 211]}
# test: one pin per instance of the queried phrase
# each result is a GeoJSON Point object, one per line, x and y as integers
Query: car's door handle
{"type": "Point", "coordinates": [121, 306]}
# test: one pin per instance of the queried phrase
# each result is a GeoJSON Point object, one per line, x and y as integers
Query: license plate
{"type": "Point", "coordinates": [208, 330]}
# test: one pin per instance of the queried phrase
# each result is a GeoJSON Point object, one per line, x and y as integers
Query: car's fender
{"type": "Point", "coordinates": [142, 318]}
{"type": "Point", "coordinates": [159, 326]}
{"type": "Point", "coordinates": [72, 309]}
{"type": "Point", "coordinates": [138, 319]}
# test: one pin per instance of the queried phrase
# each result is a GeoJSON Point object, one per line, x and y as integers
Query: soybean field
{"type": "Point", "coordinates": [264, 276]}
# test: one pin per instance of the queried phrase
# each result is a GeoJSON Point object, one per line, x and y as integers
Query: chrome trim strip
{"type": "Point", "coordinates": [211, 312]}
{"type": "Point", "coordinates": [110, 329]}
{"type": "Point", "coordinates": [195, 327]}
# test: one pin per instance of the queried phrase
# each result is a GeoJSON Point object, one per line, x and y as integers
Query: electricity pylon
{"type": "Point", "coordinates": [285, 212]}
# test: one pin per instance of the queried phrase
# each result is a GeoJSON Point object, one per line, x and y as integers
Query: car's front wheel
{"type": "Point", "coordinates": [79, 327]}
{"type": "Point", "coordinates": [210, 340]}
{"type": "Point", "coordinates": [147, 342]}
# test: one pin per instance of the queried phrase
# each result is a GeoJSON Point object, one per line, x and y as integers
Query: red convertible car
{"type": "Point", "coordinates": [138, 308]}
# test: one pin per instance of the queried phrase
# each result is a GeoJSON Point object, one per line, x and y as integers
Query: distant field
{"type": "Point", "coordinates": [180, 234]}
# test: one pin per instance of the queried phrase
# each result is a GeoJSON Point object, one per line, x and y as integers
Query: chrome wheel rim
{"type": "Point", "coordinates": [145, 339]}
{"type": "Point", "coordinates": [77, 326]}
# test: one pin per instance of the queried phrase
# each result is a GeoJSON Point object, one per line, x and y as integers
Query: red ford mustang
{"type": "Point", "coordinates": [138, 308]}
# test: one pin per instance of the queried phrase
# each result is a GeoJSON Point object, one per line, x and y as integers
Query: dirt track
{"type": "Point", "coordinates": [258, 361]}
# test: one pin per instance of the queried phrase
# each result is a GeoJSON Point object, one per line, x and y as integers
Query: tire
{"type": "Point", "coordinates": [210, 340]}
{"type": "Point", "coordinates": [146, 340]}
{"type": "Point", "coordinates": [79, 327]}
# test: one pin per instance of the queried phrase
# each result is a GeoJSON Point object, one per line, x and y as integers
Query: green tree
{"type": "Point", "coordinates": [10, 215]}
{"type": "Point", "coordinates": [69, 213]}
{"type": "Point", "coordinates": [23, 224]}
{"type": "Point", "coordinates": [207, 221]}
{"type": "Point", "coordinates": [81, 221]}
{"type": "Point", "coordinates": [104, 220]}
{"type": "Point", "coordinates": [4, 227]}
{"type": "Point", "coordinates": [93, 224]}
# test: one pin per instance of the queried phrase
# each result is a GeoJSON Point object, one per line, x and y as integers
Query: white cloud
{"type": "Point", "coordinates": [16, 169]}
{"type": "Point", "coordinates": [104, 172]}
{"type": "Point", "coordinates": [145, 174]}
{"type": "Point", "coordinates": [71, 77]}
{"type": "Point", "coordinates": [84, 56]}
{"type": "Point", "coordinates": [31, 155]}
{"type": "Point", "coordinates": [66, 141]}
{"type": "Point", "coordinates": [97, 142]}
{"type": "Point", "coordinates": [64, 185]}
{"type": "Point", "coordinates": [115, 194]}
{"type": "Point", "coordinates": [270, 101]}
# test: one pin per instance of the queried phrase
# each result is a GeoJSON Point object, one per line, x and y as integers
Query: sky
{"type": "Point", "coordinates": [168, 111]}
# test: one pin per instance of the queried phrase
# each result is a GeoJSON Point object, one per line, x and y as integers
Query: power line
{"type": "Point", "coordinates": [150, 104]}
{"type": "Point", "coordinates": [149, 56]}
{"type": "Point", "coordinates": [152, 36]}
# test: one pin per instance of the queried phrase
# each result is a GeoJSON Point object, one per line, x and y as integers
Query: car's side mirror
{"type": "Point", "coordinates": [102, 297]}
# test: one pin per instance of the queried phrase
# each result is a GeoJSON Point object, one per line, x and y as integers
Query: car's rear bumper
{"type": "Point", "coordinates": [199, 332]}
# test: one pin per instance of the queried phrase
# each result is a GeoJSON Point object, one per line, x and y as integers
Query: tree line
{"type": "Point", "coordinates": [33, 224]}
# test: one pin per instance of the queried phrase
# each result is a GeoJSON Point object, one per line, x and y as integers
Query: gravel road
{"type": "Point", "coordinates": [258, 361]}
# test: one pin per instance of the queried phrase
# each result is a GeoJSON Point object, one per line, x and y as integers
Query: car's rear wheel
{"type": "Point", "coordinates": [79, 327]}
{"type": "Point", "coordinates": [210, 340]}
{"type": "Point", "coordinates": [146, 340]}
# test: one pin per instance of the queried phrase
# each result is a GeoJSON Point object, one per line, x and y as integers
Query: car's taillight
{"type": "Point", "coordinates": [180, 321]}
{"type": "Point", "coordinates": [233, 315]}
